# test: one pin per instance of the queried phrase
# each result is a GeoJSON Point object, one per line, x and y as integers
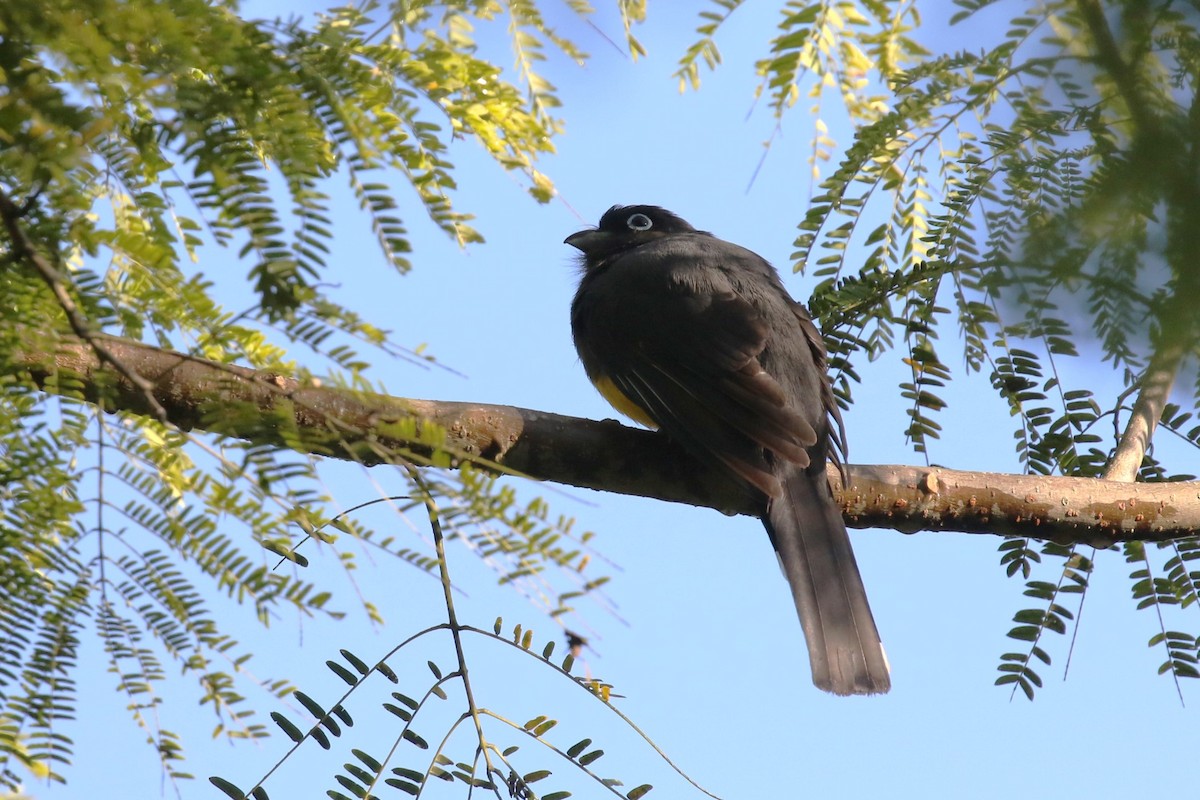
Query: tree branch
{"type": "Point", "coordinates": [23, 249]}
{"type": "Point", "coordinates": [1147, 411]}
{"type": "Point", "coordinates": [264, 406]}
{"type": "Point", "coordinates": [1108, 57]}
{"type": "Point", "coordinates": [1160, 152]}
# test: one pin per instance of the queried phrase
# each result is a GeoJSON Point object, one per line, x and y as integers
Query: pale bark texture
{"type": "Point", "coordinates": [376, 429]}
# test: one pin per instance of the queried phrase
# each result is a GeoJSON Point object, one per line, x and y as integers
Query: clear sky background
{"type": "Point", "coordinates": [707, 650]}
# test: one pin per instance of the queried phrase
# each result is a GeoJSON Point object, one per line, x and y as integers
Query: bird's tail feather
{"type": "Point", "coordinates": [810, 537]}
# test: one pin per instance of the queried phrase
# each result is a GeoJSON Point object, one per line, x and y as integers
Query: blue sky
{"type": "Point", "coordinates": [707, 651]}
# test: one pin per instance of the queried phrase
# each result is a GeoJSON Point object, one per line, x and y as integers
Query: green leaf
{"type": "Point", "coordinates": [588, 758]}
{"type": "Point", "coordinates": [366, 759]}
{"type": "Point", "coordinates": [355, 662]}
{"type": "Point", "coordinates": [287, 727]}
{"type": "Point", "coordinates": [309, 704]}
{"type": "Point", "coordinates": [413, 775]}
{"type": "Point", "coordinates": [404, 786]}
{"type": "Point", "coordinates": [342, 672]}
{"type": "Point", "coordinates": [227, 787]}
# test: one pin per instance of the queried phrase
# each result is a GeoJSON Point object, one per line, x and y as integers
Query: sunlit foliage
{"type": "Point", "coordinates": [152, 154]}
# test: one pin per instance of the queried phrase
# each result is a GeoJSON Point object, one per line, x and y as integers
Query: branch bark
{"type": "Point", "coordinates": [23, 248]}
{"type": "Point", "coordinates": [265, 406]}
{"type": "Point", "coordinates": [1147, 411]}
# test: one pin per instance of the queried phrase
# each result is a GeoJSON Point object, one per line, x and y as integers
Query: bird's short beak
{"type": "Point", "coordinates": [586, 241]}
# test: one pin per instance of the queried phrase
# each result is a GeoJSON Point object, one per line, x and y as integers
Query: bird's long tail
{"type": "Point", "coordinates": [810, 537]}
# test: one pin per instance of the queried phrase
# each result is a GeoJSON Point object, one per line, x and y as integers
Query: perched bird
{"type": "Point", "coordinates": [697, 337]}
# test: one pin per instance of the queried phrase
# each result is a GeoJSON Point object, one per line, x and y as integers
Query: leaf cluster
{"type": "Point", "coordinates": [1035, 194]}
{"type": "Point", "coordinates": [151, 155]}
{"type": "Point", "coordinates": [494, 766]}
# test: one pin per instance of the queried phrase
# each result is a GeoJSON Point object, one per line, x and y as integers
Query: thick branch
{"type": "Point", "coordinates": [372, 429]}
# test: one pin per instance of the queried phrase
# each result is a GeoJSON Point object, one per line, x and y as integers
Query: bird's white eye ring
{"type": "Point", "coordinates": [639, 222]}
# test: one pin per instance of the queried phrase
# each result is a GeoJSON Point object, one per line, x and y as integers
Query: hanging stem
{"type": "Point", "coordinates": [447, 591]}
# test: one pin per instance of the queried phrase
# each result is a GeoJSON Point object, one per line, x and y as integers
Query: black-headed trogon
{"type": "Point", "coordinates": [698, 337]}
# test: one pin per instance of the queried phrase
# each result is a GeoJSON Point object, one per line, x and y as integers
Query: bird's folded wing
{"type": "Point", "coordinates": [693, 365]}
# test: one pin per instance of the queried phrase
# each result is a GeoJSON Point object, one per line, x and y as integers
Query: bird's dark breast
{"type": "Point", "coordinates": [631, 298]}
{"type": "Point", "coordinates": [615, 294]}
{"type": "Point", "coordinates": [708, 306]}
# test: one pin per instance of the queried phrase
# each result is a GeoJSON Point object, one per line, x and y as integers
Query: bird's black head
{"type": "Point", "coordinates": [623, 227]}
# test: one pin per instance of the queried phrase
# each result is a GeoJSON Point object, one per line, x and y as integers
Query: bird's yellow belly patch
{"type": "Point", "coordinates": [617, 399]}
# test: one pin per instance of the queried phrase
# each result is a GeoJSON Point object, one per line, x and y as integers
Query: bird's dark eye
{"type": "Point", "coordinates": [639, 222]}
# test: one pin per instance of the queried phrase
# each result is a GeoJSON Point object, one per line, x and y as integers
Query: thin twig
{"type": "Point", "coordinates": [585, 686]}
{"type": "Point", "coordinates": [23, 248]}
{"type": "Point", "coordinates": [456, 629]}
